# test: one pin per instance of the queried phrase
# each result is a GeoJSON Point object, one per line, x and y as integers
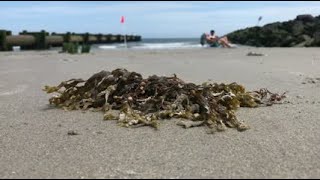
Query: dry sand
{"type": "Point", "coordinates": [283, 142]}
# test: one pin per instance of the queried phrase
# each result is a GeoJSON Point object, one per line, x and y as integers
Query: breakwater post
{"type": "Point", "coordinates": [39, 40]}
{"type": "Point", "coordinates": [43, 40]}
{"type": "Point", "coordinates": [3, 40]}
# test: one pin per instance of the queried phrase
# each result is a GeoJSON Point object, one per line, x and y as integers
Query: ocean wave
{"type": "Point", "coordinates": [174, 45]}
{"type": "Point", "coordinates": [167, 45]}
{"type": "Point", "coordinates": [108, 47]}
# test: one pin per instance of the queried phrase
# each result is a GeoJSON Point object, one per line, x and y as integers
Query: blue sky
{"type": "Point", "coordinates": [149, 19]}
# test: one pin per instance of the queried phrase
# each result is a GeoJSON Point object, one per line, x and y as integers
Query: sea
{"type": "Point", "coordinates": [160, 43]}
{"type": "Point", "coordinates": [147, 44]}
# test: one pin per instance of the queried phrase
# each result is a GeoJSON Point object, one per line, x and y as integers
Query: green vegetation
{"type": "Point", "coordinates": [85, 48]}
{"type": "Point", "coordinates": [71, 48]}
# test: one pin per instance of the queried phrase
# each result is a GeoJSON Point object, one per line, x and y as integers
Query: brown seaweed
{"type": "Point", "coordinates": [143, 102]}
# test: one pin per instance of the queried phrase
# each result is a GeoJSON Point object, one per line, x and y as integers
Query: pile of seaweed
{"type": "Point", "coordinates": [144, 102]}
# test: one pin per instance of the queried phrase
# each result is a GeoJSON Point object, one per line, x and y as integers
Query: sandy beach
{"type": "Point", "coordinates": [283, 142]}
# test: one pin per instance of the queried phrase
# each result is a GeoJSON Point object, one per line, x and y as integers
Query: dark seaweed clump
{"type": "Point", "coordinates": [144, 102]}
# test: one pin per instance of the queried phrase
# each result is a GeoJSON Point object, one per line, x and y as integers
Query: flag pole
{"type": "Point", "coordinates": [125, 37]}
{"type": "Point", "coordinates": [260, 18]}
{"type": "Point", "coordinates": [124, 31]}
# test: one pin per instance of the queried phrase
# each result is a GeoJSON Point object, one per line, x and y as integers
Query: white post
{"type": "Point", "coordinates": [125, 37]}
{"type": "Point", "coordinates": [124, 31]}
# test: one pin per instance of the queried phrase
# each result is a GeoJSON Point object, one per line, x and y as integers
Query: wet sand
{"type": "Point", "coordinates": [283, 142]}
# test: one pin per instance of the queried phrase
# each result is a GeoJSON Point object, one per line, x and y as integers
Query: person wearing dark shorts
{"type": "Point", "coordinates": [214, 41]}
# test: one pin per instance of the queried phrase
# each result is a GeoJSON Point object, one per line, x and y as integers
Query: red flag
{"type": "Point", "coordinates": [122, 19]}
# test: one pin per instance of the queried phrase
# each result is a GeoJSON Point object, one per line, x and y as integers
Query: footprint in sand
{"type": "Point", "coordinates": [16, 90]}
{"type": "Point", "coordinates": [310, 80]}
{"type": "Point", "coordinates": [296, 73]}
{"type": "Point", "coordinates": [14, 71]}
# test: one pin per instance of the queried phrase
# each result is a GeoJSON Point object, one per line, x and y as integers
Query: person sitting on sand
{"type": "Point", "coordinates": [214, 41]}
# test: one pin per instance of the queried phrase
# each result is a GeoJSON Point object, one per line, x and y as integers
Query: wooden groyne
{"type": "Point", "coordinates": [43, 40]}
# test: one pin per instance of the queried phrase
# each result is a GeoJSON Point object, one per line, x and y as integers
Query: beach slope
{"type": "Point", "coordinates": [283, 142]}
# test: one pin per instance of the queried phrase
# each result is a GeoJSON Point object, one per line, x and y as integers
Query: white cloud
{"type": "Point", "coordinates": [76, 9]}
{"type": "Point", "coordinates": [154, 18]}
{"type": "Point", "coordinates": [225, 20]}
